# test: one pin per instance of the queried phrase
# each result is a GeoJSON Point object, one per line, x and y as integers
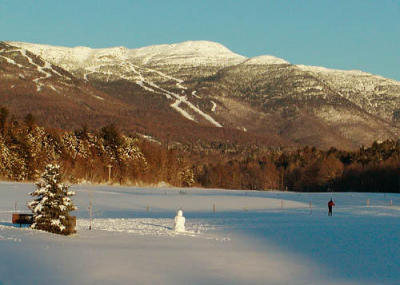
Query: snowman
{"type": "Point", "coordinates": [179, 222]}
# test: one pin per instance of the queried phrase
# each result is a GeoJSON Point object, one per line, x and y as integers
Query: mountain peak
{"type": "Point", "coordinates": [185, 53]}
{"type": "Point", "coordinates": [188, 53]}
{"type": "Point", "coordinates": [265, 59]}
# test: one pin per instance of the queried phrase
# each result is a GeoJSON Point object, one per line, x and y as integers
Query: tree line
{"type": "Point", "coordinates": [368, 169]}
{"type": "Point", "coordinates": [86, 156]}
{"type": "Point", "coordinates": [108, 156]}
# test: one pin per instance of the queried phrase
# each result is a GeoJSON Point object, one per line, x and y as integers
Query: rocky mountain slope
{"type": "Point", "coordinates": [202, 91]}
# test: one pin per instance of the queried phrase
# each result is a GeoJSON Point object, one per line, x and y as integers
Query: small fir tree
{"type": "Point", "coordinates": [52, 206]}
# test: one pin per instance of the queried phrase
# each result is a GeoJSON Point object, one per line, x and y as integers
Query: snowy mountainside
{"type": "Point", "coordinates": [28, 65]}
{"type": "Point", "coordinates": [31, 84]}
{"type": "Point", "coordinates": [373, 93]}
{"type": "Point", "coordinates": [265, 60]}
{"type": "Point", "coordinates": [72, 58]}
{"type": "Point", "coordinates": [186, 53]}
{"type": "Point", "coordinates": [24, 68]}
{"type": "Point", "coordinates": [204, 84]}
{"type": "Point", "coordinates": [307, 107]}
{"type": "Point", "coordinates": [118, 92]}
{"type": "Point", "coordinates": [120, 63]}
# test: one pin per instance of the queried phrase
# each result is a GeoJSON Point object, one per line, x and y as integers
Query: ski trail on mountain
{"type": "Point", "coordinates": [150, 86]}
{"type": "Point", "coordinates": [178, 81]}
{"type": "Point", "coordinates": [153, 87]}
{"type": "Point", "coordinates": [93, 69]}
{"type": "Point", "coordinates": [39, 68]}
{"type": "Point", "coordinates": [180, 86]}
{"type": "Point", "coordinates": [194, 93]}
{"type": "Point", "coordinates": [9, 60]}
{"type": "Point", "coordinates": [181, 111]}
{"type": "Point", "coordinates": [168, 94]}
{"type": "Point", "coordinates": [214, 107]}
{"type": "Point", "coordinates": [47, 70]}
{"type": "Point", "coordinates": [53, 88]}
{"type": "Point", "coordinates": [48, 66]}
{"type": "Point", "coordinates": [182, 99]}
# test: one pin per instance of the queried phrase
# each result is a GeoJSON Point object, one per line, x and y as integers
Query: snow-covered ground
{"type": "Point", "coordinates": [251, 238]}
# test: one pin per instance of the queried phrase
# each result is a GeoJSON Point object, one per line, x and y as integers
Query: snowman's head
{"type": "Point", "coordinates": [180, 213]}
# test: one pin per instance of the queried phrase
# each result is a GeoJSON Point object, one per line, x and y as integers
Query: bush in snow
{"type": "Point", "coordinates": [52, 204]}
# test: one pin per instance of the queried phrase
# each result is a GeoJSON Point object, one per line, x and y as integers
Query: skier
{"type": "Point", "coordinates": [179, 222]}
{"type": "Point", "coordinates": [330, 205]}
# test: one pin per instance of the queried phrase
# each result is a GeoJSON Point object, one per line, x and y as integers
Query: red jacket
{"type": "Point", "coordinates": [331, 203]}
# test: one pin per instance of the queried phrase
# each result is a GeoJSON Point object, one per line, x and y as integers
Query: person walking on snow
{"type": "Point", "coordinates": [330, 205]}
{"type": "Point", "coordinates": [179, 222]}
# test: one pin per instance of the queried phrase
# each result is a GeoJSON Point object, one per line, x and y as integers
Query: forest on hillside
{"type": "Point", "coordinates": [108, 156]}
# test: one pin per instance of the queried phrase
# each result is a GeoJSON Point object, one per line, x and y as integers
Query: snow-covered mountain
{"type": "Point", "coordinates": [203, 84]}
{"type": "Point", "coordinates": [265, 60]}
{"type": "Point", "coordinates": [186, 53]}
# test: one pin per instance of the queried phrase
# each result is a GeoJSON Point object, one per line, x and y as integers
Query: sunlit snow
{"type": "Point", "coordinates": [231, 237]}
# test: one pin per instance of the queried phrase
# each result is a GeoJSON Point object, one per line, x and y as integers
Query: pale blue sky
{"type": "Point", "coordinates": [345, 34]}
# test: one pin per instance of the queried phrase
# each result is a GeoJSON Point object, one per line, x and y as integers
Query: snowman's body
{"type": "Point", "coordinates": [179, 222]}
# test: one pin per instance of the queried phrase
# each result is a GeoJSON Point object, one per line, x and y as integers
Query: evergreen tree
{"type": "Point", "coordinates": [52, 206]}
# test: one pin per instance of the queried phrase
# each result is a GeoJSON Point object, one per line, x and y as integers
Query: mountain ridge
{"type": "Point", "coordinates": [200, 45]}
{"type": "Point", "coordinates": [265, 96]}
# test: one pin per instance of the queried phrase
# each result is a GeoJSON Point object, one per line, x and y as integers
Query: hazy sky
{"type": "Point", "coordinates": [344, 34]}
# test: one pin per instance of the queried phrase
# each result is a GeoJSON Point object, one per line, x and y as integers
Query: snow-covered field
{"type": "Point", "coordinates": [251, 238]}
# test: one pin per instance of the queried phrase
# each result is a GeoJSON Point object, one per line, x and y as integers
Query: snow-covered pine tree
{"type": "Point", "coordinates": [52, 206]}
